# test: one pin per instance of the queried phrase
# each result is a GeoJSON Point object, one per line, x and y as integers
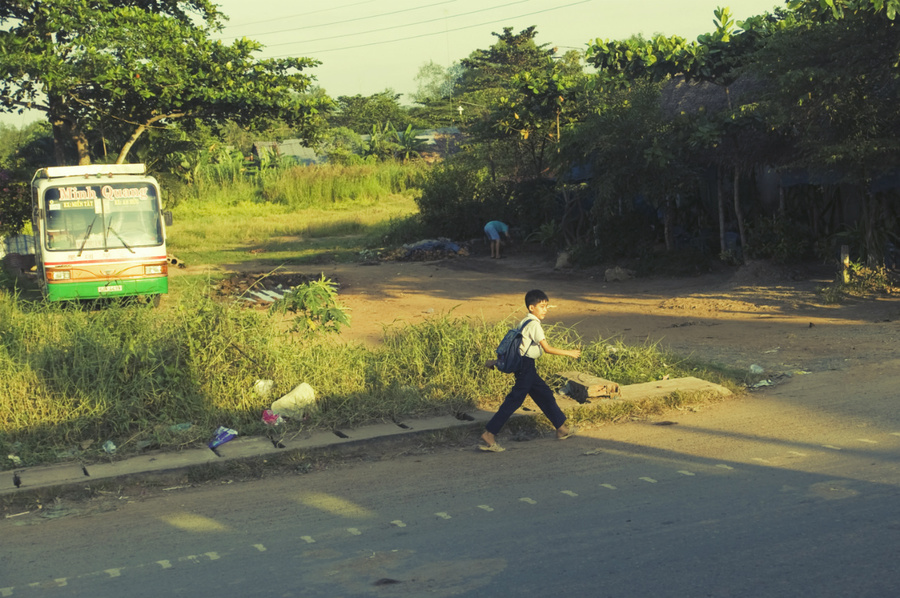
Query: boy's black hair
{"type": "Point", "coordinates": [534, 297]}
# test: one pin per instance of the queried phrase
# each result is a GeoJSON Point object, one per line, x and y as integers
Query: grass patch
{"type": "Point", "coordinates": [72, 378]}
{"type": "Point", "coordinates": [863, 281]}
{"type": "Point", "coordinates": [238, 233]}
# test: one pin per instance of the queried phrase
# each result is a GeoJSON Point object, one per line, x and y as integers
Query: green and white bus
{"type": "Point", "coordinates": [98, 232]}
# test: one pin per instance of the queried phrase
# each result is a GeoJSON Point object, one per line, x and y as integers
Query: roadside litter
{"type": "Point", "coordinates": [262, 388]}
{"type": "Point", "coordinates": [270, 418]}
{"type": "Point", "coordinates": [429, 249]}
{"type": "Point", "coordinates": [222, 436]}
{"type": "Point", "coordinates": [298, 403]}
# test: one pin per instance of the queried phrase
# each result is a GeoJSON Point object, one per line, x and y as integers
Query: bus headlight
{"type": "Point", "coordinates": [59, 274]}
{"type": "Point", "coordinates": [155, 269]}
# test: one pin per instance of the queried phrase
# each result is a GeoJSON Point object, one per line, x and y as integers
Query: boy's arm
{"type": "Point", "coordinates": [573, 353]}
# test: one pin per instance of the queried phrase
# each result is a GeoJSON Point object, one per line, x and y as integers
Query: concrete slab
{"type": "Point", "coordinates": [650, 390]}
{"type": "Point", "coordinates": [661, 388]}
{"type": "Point", "coordinates": [245, 447]}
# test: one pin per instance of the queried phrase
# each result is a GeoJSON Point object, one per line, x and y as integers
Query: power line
{"type": "Point", "coordinates": [463, 14]}
{"type": "Point", "coordinates": [401, 39]}
{"type": "Point", "coordinates": [345, 21]}
{"type": "Point", "coordinates": [304, 14]}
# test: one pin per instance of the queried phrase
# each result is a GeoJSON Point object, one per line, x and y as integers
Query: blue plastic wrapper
{"type": "Point", "coordinates": [222, 436]}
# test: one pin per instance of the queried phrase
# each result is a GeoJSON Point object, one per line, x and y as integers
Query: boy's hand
{"type": "Point", "coordinates": [574, 353]}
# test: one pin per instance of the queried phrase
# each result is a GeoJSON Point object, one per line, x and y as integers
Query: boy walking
{"type": "Point", "coordinates": [528, 382]}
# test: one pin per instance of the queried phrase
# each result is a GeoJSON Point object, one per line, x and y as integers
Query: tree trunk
{"type": "Point", "coordinates": [82, 147]}
{"type": "Point", "coordinates": [667, 223]}
{"type": "Point", "coordinates": [737, 211]}
{"type": "Point", "coordinates": [64, 132]}
{"type": "Point", "coordinates": [123, 153]}
{"type": "Point", "coordinates": [59, 143]}
{"type": "Point", "coordinates": [720, 194]}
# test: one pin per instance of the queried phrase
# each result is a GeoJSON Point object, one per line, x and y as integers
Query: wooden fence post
{"type": "Point", "coordinates": [845, 260]}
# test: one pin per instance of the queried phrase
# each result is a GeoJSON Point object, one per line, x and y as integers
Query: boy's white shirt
{"type": "Point", "coordinates": [532, 335]}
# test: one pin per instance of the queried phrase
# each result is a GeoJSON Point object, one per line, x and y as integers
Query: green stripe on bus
{"type": "Point", "coordinates": [66, 291]}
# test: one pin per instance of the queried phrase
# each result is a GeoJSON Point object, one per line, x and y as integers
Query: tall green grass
{"type": "Point", "coordinates": [73, 378]}
{"type": "Point", "coordinates": [293, 215]}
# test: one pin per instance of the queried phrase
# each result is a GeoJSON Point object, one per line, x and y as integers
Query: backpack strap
{"type": "Point", "coordinates": [522, 331]}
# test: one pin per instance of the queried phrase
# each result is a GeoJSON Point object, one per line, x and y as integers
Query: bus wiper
{"type": "Point", "coordinates": [86, 235]}
{"type": "Point", "coordinates": [119, 237]}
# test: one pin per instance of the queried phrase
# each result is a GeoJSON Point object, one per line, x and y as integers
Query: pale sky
{"type": "Point", "coordinates": [367, 46]}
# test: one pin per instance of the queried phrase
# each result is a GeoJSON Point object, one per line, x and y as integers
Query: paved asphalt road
{"type": "Point", "coordinates": [688, 510]}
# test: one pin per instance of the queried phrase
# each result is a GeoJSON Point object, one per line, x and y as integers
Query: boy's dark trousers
{"type": "Point", "coordinates": [527, 383]}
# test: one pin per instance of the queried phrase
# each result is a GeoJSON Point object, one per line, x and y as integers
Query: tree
{"type": "Point", "coordinates": [133, 65]}
{"type": "Point", "coordinates": [715, 58]}
{"type": "Point", "coordinates": [435, 97]}
{"type": "Point", "coordinates": [834, 81]}
{"type": "Point", "coordinates": [435, 82]}
{"type": "Point", "coordinates": [518, 95]}
{"type": "Point", "coordinates": [360, 113]}
{"type": "Point", "coordinates": [409, 145]}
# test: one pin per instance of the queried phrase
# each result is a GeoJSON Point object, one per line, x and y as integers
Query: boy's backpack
{"type": "Point", "coordinates": [509, 359]}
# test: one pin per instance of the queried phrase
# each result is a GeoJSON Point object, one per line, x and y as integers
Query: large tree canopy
{"type": "Point", "coordinates": [130, 65]}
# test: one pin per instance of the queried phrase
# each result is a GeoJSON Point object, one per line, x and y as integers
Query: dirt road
{"type": "Point", "coordinates": [760, 314]}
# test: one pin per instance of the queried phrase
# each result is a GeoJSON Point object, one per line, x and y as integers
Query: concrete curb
{"type": "Point", "coordinates": [72, 473]}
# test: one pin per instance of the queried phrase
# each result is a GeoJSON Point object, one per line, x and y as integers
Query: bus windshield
{"type": "Point", "coordinates": [109, 216]}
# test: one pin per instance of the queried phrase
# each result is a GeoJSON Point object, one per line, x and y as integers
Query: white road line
{"type": "Point", "coordinates": [832, 447]}
{"type": "Point", "coordinates": [213, 556]}
{"type": "Point", "coordinates": [164, 564]}
{"type": "Point", "coordinates": [6, 592]}
{"type": "Point", "coordinates": [867, 441]}
{"type": "Point", "coordinates": [61, 582]}
{"type": "Point", "coordinates": [568, 492]}
{"type": "Point", "coordinates": [761, 460]}
{"type": "Point", "coordinates": [354, 531]}
{"type": "Point", "coordinates": [113, 572]}
{"type": "Point", "coordinates": [259, 547]}
{"type": "Point", "coordinates": [398, 523]}
{"type": "Point", "coordinates": [686, 472]}
{"type": "Point", "coordinates": [797, 453]}
{"type": "Point", "coordinates": [610, 486]}
{"type": "Point", "coordinates": [723, 466]}
{"type": "Point", "coordinates": [486, 508]}
{"type": "Point", "coordinates": [530, 501]}
{"type": "Point", "coordinates": [308, 539]}
{"type": "Point", "coordinates": [443, 515]}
